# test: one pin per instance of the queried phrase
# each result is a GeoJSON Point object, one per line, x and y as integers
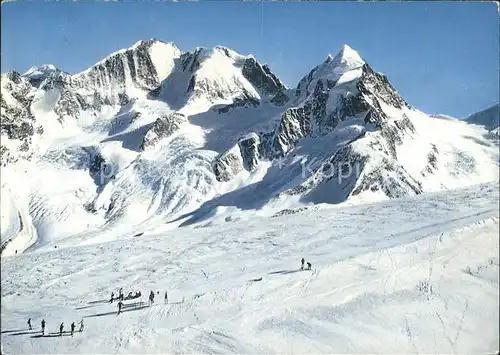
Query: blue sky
{"type": "Point", "coordinates": [443, 57]}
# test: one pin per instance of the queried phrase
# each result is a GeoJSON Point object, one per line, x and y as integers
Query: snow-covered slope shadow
{"type": "Point", "coordinates": [382, 281]}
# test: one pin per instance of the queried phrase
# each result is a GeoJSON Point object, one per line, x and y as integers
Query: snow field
{"type": "Point", "coordinates": [415, 275]}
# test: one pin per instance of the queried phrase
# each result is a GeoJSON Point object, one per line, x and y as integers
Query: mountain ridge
{"type": "Point", "coordinates": [150, 134]}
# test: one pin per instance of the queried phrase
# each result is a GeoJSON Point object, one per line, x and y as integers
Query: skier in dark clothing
{"type": "Point", "coordinates": [112, 297]}
{"type": "Point", "coordinates": [166, 297]}
{"type": "Point", "coordinates": [151, 298]}
{"type": "Point", "coordinates": [61, 328]}
{"type": "Point", "coordinates": [81, 326]}
{"type": "Point", "coordinates": [120, 304]}
{"type": "Point", "coordinates": [72, 328]}
{"type": "Point", "coordinates": [29, 323]}
{"type": "Point", "coordinates": [43, 326]}
{"type": "Point", "coordinates": [302, 264]}
{"type": "Point", "coordinates": [308, 266]}
{"type": "Point", "coordinates": [120, 295]}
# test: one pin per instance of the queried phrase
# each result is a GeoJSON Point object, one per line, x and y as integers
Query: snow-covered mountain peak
{"type": "Point", "coordinates": [40, 70]}
{"type": "Point", "coordinates": [345, 66]}
{"type": "Point", "coordinates": [328, 59]}
{"type": "Point", "coordinates": [180, 128]}
{"type": "Point", "coordinates": [206, 77]}
{"type": "Point", "coordinates": [348, 58]}
{"type": "Point", "coordinates": [229, 52]}
{"type": "Point", "coordinates": [489, 118]}
{"type": "Point", "coordinates": [38, 74]}
{"type": "Point", "coordinates": [160, 47]}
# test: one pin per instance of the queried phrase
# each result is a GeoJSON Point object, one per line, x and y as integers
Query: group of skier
{"type": "Point", "coordinates": [302, 261]}
{"type": "Point", "coordinates": [121, 298]}
{"type": "Point", "coordinates": [61, 327]}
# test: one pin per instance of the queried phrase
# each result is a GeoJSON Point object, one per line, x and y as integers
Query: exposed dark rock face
{"type": "Point", "coordinates": [161, 128]}
{"type": "Point", "coordinates": [19, 131]}
{"type": "Point", "coordinates": [287, 212]}
{"type": "Point", "coordinates": [391, 178]}
{"type": "Point", "coordinates": [211, 90]}
{"type": "Point", "coordinates": [295, 124]}
{"type": "Point", "coordinates": [227, 166]}
{"type": "Point", "coordinates": [69, 104]}
{"type": "Point", "coordinates": [261, 77]}
{"type": "Point", "coordinates": [18, 122]}
{"type": "Point", "coordinates": [313, 117]}
{"type": "Point", "coordinates": [344, 166]}
{"type": "Point", "coordinates": [322, 101]}
{"type": "Point", "coordinates": [280, 98]}
{"type": "Point", "coordinates": [304, 83]}
{"type": "Point", "coordinates": [111, 73]}
{"type": "Point", "coordinates": [432, 160]}
{"type": "Point", "coordinates": [249, 148]}
{"type": "Point", "coordinates": [96, 162]}
{"type": "Point", "coordinates": [243, 156]}
{"type": "Point", "coordinates": [246, 101]}
{"type": "Point", "coordinates": [190, 61]}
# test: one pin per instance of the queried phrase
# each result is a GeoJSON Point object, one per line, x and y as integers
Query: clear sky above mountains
{"type": "Point", "coordinates": [443, 57]}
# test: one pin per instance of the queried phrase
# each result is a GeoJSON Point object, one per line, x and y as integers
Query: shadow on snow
{"type": "Point", "coordinates": [284, 272]}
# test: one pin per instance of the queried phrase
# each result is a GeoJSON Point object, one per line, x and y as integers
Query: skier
{"type": "Point", "coordinates": [302, 264]}
{"type": "Point", "coordinates": [151, 298]}
{"type": "Point", "coordinates": [112, 297]}
{"type": "Point", "coordinates": [61, 328]}
{"type": "Point", "coordinates": [72, 328]}
{"type": "Point", "coordinates": [120, 304]}
{"type": "Point", "coordinates": [43, 326]}
{"type": "Point", "coordinates": [120, 297]}
{"type": "Point", "coordinates": [81, 326]}
{"type": "Point", "coordinates": [29, 323]}
{"type": "Point", "coordinates": [166, 297]}
{"type": "Point", "coordinates": [308, 266]}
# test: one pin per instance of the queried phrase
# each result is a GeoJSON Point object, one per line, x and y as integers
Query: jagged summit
{"type": "Point", "coordinates": [347, 58]}
{"type": "Point", "coordinates": [43, 70]}
{"type": "Point", "coordinates": [328, 59]}
{"type": "Point", "coordinates": [489, 118]}
{"type": "Point", "coordinates": [205, 127]}
{"type": "Point", "coordinates": [345, 66]}
{"type": "Point", "coordinates": [150, 44]}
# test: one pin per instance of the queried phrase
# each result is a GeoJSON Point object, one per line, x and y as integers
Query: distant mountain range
{"type": "Point", "coordinates": [151, 135]}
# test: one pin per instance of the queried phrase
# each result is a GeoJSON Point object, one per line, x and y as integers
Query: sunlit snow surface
{"type": "Point", "coordinates": [57, 201]}
{"type": "Point", "coordinates": [414, 275]}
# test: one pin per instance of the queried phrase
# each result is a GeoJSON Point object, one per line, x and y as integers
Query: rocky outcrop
{"type": "Point", "coordinates": [245, 101]}
{"type": "Point", "coordinates": [134, 64]}
{"type": "Point", "coordinates": [391, 179]}
{"type": "Point", "coordinates": [261, 77]}
{"type": "Point", "coordinates": [18, 123]}
{"type": "Point", "coordinates": [489, 118]}
{"type": "Point", "coordinates": [161, 128]}
{"type": "Point", "coordinates": [227, 165]}
{"type": "Point", "coordinates": [314, 117]}
{"type": "Point", "coordinates": [243, 156]}
{"type": "Point", "coordinates": [70, 104]}
{"type": "Point", "coordinates": [249, 150]}
{"type": "Point", "coordinates": [280, 98]}
{"type": "Point", "coordinates": [432, 161]}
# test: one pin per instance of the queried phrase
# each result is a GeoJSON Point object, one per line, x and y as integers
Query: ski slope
{"type": "Point", "coordinates": [17, 230]}
{"type": "Point", "coordinates": [413, 275]}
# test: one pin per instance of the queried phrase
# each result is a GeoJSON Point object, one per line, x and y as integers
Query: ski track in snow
{"type": "Point", "coordinates": [413, 275]}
